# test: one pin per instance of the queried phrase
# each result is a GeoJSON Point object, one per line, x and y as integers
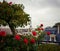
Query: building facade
{"type": "Point", "coordinates": [52, 36]}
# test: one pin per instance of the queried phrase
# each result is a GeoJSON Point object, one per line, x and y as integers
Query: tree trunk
{"type": "Point", "coordinates": [12, 29]}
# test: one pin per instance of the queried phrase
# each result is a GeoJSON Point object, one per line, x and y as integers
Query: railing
{"type": "Point", "coordinates": [57, 42]}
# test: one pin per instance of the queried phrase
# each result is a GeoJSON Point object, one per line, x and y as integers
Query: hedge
{"type": "Point", "coordinates": [48, 47]}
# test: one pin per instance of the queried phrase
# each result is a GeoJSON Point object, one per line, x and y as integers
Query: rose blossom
{"type": "Point", "coordinates": [25, 40]}
{"type": "Point", "coordinates": [32, 40]}
{"type": "Point", "coordinates": [17, 37]}
{"type": "Point", "coordinates": [2, 33]}
{"type": "Point", "coordinates": [48, 33]}
{"type": "Point", "coordinates": [41, 25]}
{"type": "Point", "coordinates": [34, 33]}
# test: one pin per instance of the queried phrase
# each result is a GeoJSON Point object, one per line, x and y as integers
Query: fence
{"type": "Point", "coordinates": [56, 42]}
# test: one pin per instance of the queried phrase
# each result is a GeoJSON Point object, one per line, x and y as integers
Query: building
{"type": "Point", "coordinates": [51, 29]}
{"type": "Point", "coordinates": [6, 29]}
{"type": "Point", "coordinates": [23, 31]}
{"type": "Point", "coordinates": [57, 26]}
{"type": "Point", "coordinates": [18, 30]}
{"type": "Point", "coordinates": [53, 32]}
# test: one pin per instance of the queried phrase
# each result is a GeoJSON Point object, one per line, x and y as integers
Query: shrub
{"type": "Point", "coordinates": [20, 42]}
{"type": "Point", "coordinates": [48, 47]}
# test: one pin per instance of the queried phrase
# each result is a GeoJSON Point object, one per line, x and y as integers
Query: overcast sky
{"type": "Point", "coordinates": [45, 12]}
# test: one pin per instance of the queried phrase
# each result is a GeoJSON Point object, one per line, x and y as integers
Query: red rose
{"type": "Point", "coordinates": [10, 3]}
{"type": "Point", "coordinates": [32, 40]}
{"type": "Point", "coordinates": [25, 40]}
{"type": "Point", "coordinates": [48, 33]}
{"type": "Point", "coordinates": [42, 29]}
{"type": "Point", "coordinates": [17, 37]}
{"type": "Point", "coordinates": [39, 28]}
{"type": "Point", "coordinates": [34, 33]}
{"type": "Point", "coordinates": [41, 25]}
{"type": "Point", "coordinates": [2, 33]}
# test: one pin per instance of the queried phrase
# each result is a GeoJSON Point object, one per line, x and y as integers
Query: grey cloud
{"type": "Point", "coordinates": [46, 3]}
{"type": "Point", "coordinates": [41, 11]}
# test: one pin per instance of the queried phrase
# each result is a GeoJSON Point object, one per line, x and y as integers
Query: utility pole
{"type": "Point", "coordinates": [58, 29]}
{"type": "Point", "coordinates": [3, 0]}
{"type": "Point", "coordinates": [30, 25]}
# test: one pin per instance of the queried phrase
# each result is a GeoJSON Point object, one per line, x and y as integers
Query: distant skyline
{"type": "Point", "coordinates": [46, 12]}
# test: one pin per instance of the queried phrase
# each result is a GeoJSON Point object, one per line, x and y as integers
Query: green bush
{"type": "Point", "coordinates": [21, 42]}
{"type": "Point", "coordinates": [48, 47]}
{"type": "Point", "coordinates": [17, 43]}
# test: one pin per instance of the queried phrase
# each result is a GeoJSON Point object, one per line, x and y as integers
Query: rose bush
{"type": "Point", "coordinates": [20, 42]}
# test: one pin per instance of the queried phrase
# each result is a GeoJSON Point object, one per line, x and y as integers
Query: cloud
{"type": "Point", "coordinates": [45, 3]}
{"type": "Point", "coordinates": [46, 12]}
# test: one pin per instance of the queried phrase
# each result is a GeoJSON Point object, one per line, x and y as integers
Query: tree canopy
{"type": "Point", "coordinates": [13, 15]}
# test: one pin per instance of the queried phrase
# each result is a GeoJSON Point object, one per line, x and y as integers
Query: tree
{"type": "Point", "coordinates": [13, 15]}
